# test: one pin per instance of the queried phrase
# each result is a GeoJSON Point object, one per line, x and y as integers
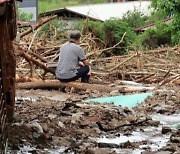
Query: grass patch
{"type": "Point", "coordinates": [48, 5]}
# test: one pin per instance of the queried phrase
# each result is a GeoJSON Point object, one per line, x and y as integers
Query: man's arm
{"type": "Point", "coordinates": [86, 63]}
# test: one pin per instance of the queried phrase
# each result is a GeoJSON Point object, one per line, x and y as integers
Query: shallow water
{"type": "Point", "coordinates": [28, 149]}
{"type": "Point", "coordinates": [167, 120]}
{"type": "Point", "coordinates": [152, 135]}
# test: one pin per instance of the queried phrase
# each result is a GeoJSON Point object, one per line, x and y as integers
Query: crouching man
{"type": "Point", "coordinates": [70, 57]}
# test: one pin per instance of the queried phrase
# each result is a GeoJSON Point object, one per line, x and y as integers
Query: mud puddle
{"type": "Point", "coordinates": [29, 149]}
{"type": "Point", "coordinates": [167, 120]}
{"type": "Point", "coordinates": [150, 138]}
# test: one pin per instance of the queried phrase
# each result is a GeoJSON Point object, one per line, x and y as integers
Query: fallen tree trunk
{"type": "Point", "coordinates": [56, 84]}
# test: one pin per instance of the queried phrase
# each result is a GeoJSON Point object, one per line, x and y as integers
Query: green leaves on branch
{"type": "Point", "coordinates": [171, 8]}
{"type": "Point", "coordinates": [159, 36]}
{"type": "Point", "coordinates": [114, 30]}
{"type": "Point", "coordinates": [111, 32]}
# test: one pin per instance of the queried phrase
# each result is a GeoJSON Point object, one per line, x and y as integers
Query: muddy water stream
{"type": "Point", "coordinates": [151, 135]}
{"type": "Point", "coordinates": [146, 137]}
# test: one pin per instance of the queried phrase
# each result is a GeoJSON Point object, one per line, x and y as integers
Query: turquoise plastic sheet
{"type": "Point", "coordinates": [123, 100]}
{"type": "Point", "coordinates": [176, 126]}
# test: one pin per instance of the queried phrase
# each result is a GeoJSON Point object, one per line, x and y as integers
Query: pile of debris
{"type": "Point", "coordinates": [36, 58]}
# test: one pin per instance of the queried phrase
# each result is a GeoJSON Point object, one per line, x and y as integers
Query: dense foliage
{"type": "Point", "coordinates": [135, 19]}
{"type": "Point", "coordinates": [96, 28]}
{"type": "Point", "coordinates": [172, 9]}
{"type": "Point", "coordinates": [46, 5]}
{"type": "Point", "coordinates": [114, 30]}
{"type": "Point", "coordinates": [111, 31]}
{"type": "Point", "coordinates": [153, 38]}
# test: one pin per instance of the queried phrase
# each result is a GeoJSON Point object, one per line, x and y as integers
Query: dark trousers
{"type": "Point", "coordinates": [82, 73]}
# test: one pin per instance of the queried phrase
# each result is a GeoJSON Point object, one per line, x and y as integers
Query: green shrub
{"type": "Point", "coordinates": [176, 29]}
{"type": "Point", "coordinates": [135, 19]}
{"type": "Point", "coordinates": [155, 37]}
{"type": "Point", "coordinates": [114, 30]}
{"type": "Point", "coordinates": [170, 8]}
{"type": "Point", "coordinates": [96, 28]}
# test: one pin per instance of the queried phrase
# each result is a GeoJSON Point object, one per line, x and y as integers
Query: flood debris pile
{"type": "Point", "coordinates": [37, 57]}
{"type": "Point", "coordinates": [51, 121]}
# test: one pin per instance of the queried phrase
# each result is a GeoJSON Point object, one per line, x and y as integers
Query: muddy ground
{"type": "Point", "coordinates": [52, 121]}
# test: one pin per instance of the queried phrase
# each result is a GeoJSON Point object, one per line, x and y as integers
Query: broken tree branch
{"type": "Point", "coordinates": [38, 25]}
{"type": "Point", "coordinates": [122, 38]}
{"type": "Point", "coordinates": [36, 62]}
{"type": "Point", "coordinates": [115, 67]}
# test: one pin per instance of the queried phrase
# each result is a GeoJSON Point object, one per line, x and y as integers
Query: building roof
{"type": "Point", "coordinates": [102, 12]}
{"type": "Point", "coordinates": [143, 28]}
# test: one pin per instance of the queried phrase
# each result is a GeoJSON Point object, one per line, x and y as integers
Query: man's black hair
{"type": "Point", "coordinates": [74, 34]}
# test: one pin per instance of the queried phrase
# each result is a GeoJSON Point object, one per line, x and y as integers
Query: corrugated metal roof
{"type": "Point", "coordinates": [143, 28]}
{"type": "Point", "coordinates": [104, 11]}
{"type": "Point", "coordinates": [111, 10]}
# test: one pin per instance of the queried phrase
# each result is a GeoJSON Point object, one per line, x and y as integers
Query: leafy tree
{"type": "Point", "coordinates": [171, 8]}
{"type": "Point", "coordinates": [135, 18]}
{"type": "Point", "coordinates": [96, 28]}
{"type": "Point", "coordinates": [114, 30]}
{"type": "Point", "coordinates": [153, 38]}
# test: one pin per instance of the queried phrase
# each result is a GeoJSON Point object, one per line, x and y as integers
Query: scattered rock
{"type": "Point", "coordinates": [84, 123]}
{"type": "Point", "coordinates": [51, 131]}
{"type": "Point", "coordinates": [103, 151]}
{"type": "Point", "coordinates": [127, 144]}
{"type": "Point", "coordinates": [65, 113]}
{"type": "Point", "coordinates": [166, 130]}
{"type": "Point", "coordinates": [73, 124]}
{"type": "Point", "coordinates": [52, 116]}
{"type": "Point", "coordinates": [114, 92]}
{"type": "Point", "coordinates": [60, 124]}
{"type": "Point", "coordinates": [154, 122]}
{"type": "Point", "coordinates": [107, 145]}
{"type": "Point", "coordinates": [37, 127]}
{"type": "Point", "coordinates": [35, 135]}
{"type": "Point", "coordinates": [164, 152]}
{"type": "Point", "coordinates": [76, 117]}
{"type": "Point", "coordinates": [44, 127]}
{"type": "Point", "coordinates": [175, 139]}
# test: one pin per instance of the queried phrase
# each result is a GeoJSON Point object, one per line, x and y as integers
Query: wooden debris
{"type": "Point", "coordinates": [56, 84]}
{"type": "Point", "coordinates": [37, 26]}
{"type": "Point", "coordinates": [115, 67]}
{"type": "Point", "coordinates": [159, 66]}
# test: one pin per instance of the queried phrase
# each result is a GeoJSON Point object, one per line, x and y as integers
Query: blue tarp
{"type": "Point", "coordinates": [123, 100]}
